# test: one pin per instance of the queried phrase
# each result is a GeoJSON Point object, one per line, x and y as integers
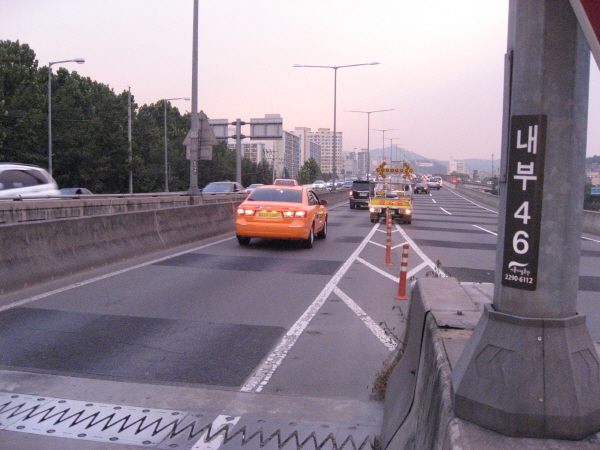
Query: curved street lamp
{"type": "Point", "coordinates": [335, 69]}
{"type": "Point", "coordinates": [368, 113]}
{"type": "Point", "coordinates": [166, 157]}
{"type": "Point", "coordinates": [78, 61]}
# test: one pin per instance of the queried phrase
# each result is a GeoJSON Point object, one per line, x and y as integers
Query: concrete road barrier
{"type": "Point", "coordinates": [37, 251]}
{"type": "Point", "coordinates": [419, 412]}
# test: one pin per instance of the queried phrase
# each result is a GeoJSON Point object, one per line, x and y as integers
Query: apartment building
{"type": "Point", "coordinates": [324, 138]}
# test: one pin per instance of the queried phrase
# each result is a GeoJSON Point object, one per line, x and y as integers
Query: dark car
{"type": "Point", "coordinates": [75, 191]}
{"type": "Point", "coordinates": [421, 186]}
{"type": "Point", "coordinates": [360, 192]}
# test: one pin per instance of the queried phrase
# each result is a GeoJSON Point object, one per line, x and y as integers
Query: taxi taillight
{"type": "Point", "coordinates": [245, 212]}
{"type": "Point", "coordinates": [294, 214]}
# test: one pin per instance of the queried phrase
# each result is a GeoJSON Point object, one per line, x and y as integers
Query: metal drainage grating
{"type": "Point", "coordinates": [170, 429]}
{"type": "Point", "coordinates": [89, 421]}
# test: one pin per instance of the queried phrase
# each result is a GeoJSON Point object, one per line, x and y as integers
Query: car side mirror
{"type": "Point", "coordinates": [323, 202]}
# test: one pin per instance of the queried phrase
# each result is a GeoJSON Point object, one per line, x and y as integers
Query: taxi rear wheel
{"type": "Point", "coordinates": [308, 243]}
{"type": "Point", "coordinates": [323, 233]}
{"type": "Point", "coordinates": [243, 240]}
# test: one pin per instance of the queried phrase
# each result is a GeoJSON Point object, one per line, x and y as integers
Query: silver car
{"type": "Point", "coordinates": [24, 180]}
{"type": "Point", "coordinates": [223, 187]}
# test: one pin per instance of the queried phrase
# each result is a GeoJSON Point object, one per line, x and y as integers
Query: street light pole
{"type": "Point", "coordinates": [78, 61]}
{"type": "Point", "coordinates": [335, 69]}
{"type": "Point", "coordinates": [368, 113]}
{"type": "Point", "coordinates": [166, 157]}
{"type": "Point", "coordinates": [383, 142]}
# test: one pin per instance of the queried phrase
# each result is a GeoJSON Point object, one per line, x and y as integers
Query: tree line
{"type": "Point", "coordinates": [90, 145]}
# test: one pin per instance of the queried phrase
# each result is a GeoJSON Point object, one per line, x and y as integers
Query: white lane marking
{"type": "Point", "coordinates": [433, 200]}
{"type": "Point", "coordinates": [370, 323]}
{"type": "Point", "coordinates": [377, 244]}
{"type": "Point", "coordinates": [104, 277]}
{"type": "Point", "coordinates": [419, 252]}
{"type": "Point", "coordinates": [414, 271]}
{"type": "Point", "coordinates": [487, 231]}
{"type": "Point", "coordinates": [265, 371]}
{"type": "Point", "coordinates": [589, 239]}
{"type": "Point", "coordinates": [449, 213]}
{"type": "Point", "coordinates": [470, 201]}
{"type": "Point", "coordinates": [377, 269]}
{"type": "Point", "coordinates": [214, 444]}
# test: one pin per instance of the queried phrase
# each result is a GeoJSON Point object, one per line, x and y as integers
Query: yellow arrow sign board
{"type": "Point", "coordinates": [406, 170]}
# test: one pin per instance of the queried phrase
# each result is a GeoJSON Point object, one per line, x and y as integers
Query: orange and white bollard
{"type": "Point", "coordinates": [388, 239]}
{"type": "Point", "coordinates": [403, 268]}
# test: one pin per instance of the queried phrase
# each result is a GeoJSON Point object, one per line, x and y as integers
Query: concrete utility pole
{"type": "Point", "coordinates": [194, 135]}
{"type": "Point", "coordinates": [531, 369]}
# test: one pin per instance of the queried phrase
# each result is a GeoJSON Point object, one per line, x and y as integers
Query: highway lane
{"type": "Point", "coordinates": [462, 234]}
{"type": "Point", "coordinates": [195, 328]}
{"type": "Point", "coordinates": [241, 300]}
{"type": "Point", "coordinates": [456, 232]}
{"type": "Point", "coordinates": [270, 328]}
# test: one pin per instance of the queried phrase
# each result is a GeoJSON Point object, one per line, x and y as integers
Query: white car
{"type": "Point", "coordinates": [435, 183]}
{"type": "Point", "coordinates": [319, 184]}
{"type": "Point", "coordinates": [24, 180]}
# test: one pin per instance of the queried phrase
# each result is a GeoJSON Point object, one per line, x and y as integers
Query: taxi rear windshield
{"type": "Point", "coordinates": [276, 195]}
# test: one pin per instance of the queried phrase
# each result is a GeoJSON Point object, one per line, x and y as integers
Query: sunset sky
{"type": "Point", "coordinates": [441, 62]}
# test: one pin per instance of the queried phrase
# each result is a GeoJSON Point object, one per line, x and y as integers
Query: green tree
{"type": "Point", "coordinates": [309, 171]}
{"type": "Point", "coordinates": [89, 131]}
{"type": "Point", "coordinates": [23, 110]}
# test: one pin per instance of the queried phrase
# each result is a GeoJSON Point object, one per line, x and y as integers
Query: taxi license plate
{"type": "Point", "coordinates": [269, 214]}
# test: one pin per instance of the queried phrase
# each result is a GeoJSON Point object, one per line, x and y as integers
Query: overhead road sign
{"type": "Point", "coordinates": [220, 127]}
{"type": "Point", "coordinates": [260, 129]}
{"type": "Point", "coordinates": [588, 15]}
{"type": "Point", "coordinates": [269, 128]}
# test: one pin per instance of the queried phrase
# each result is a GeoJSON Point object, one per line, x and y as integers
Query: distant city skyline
{"type": "Point", "coordinates": [441, 63]}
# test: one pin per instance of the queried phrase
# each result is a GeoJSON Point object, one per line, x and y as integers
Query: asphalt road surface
{"type": "Point", "coordinates": [220, 345]}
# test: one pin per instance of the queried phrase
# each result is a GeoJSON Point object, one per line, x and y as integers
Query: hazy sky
{"type": "Point", "coordinates": [441, 62]}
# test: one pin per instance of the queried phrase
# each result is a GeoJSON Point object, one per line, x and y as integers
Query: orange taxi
{"type": "Point", "coordinates": [282, 212]}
